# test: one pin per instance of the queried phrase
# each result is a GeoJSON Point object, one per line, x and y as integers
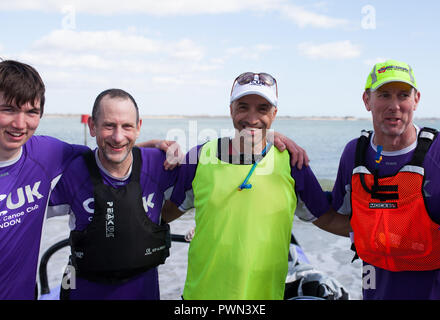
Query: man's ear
{"type": "Point", "coordinates": [366, 97]}
{"type": "Point", "coordinates": [92, 127]}
{"type": "Point", "coordinates": [139, 125]}
{"type": "Point", "coordinates": [416, 99]}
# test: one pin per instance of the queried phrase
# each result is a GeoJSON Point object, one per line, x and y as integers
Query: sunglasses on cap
{"type": "Point", "coordinates": [256, 78]}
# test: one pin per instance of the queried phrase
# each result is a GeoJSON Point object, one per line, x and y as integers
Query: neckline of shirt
{"type": "Point", "coordinates": [107, 173]}
{"type": "Point", "coordinates": [8, 163]}
{"type": "Point", "coordinates": [405, 150]}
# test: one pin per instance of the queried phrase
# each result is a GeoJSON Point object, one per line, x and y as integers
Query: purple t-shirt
{"type": "Point", "coordinates": [307, 187]}
{"type": "Point", "coordinates": [76, 191]}
{"type": "Point", "coordinates": [25, 187]}
{"type": "Point", "coordinates": [380, 283]}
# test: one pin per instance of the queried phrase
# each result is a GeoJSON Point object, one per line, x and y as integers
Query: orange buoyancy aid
{"type": "Point", "coordinates": [391, 225]}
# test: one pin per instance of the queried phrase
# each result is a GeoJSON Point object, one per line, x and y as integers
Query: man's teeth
{"type": "Point", "coordinates": [16, 134]}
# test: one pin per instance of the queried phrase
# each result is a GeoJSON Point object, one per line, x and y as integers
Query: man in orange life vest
{"type": "Point", "coordinates": [388, 180]}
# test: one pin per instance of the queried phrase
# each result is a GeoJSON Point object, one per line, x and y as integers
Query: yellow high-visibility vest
{"type": "Point", "coordinates": [241, 241]}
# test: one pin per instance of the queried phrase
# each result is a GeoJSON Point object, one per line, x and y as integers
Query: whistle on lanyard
{"type": "Point", "coordinates": [378, 157]}
{"type": "Point", "coordinates": [245, 184]}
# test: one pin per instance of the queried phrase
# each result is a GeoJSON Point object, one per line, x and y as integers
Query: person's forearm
{"type": "Point", "coordinates": [149, 144]}
{"type": "Point", "coordinates": [335, 223]}
{"type": "Point", "coordinates": [170, 212]}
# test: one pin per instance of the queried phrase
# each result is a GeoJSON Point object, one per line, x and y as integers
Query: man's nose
{"type": "Point", "coordinates": [19, 121]}
{"type": "Point", "coordinates": [118, 135]}
{"type": "Point", "coordinates": [252, 118]}
{"type": "Point", "coordinates": [394, 104]}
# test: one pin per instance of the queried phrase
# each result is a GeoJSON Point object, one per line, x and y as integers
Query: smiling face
{"type": "Point", "coordinates": [116, 130]}
{"type": "Point", "coordinates": [252, 116]}
{"type": "Point", "coordinates": [392, 107]}
{"type": "Point", "coordinates": [17, 125]}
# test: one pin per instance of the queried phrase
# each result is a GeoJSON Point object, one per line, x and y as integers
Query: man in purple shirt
{"type": "Point", "coordinates": [377, 173]}
{"type": "Point", "coordinates": [105, 237]}
{"type": "Point", "coordinates": [29, 169]}
{"type": "Point", "coordinates": [245, 193]}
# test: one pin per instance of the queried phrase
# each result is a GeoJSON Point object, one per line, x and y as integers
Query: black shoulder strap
{"type": "Point", "coordinates": [223, 149]}
{"type": "Point", "coordinates": [361, 148]}
{"type": "Point", "coordinates": [424, 140]}
{"type": "Point", "coordinates": [95, 175]}
{"type": "Point", "coordinates": [137, 164]}
{"type": "Point", "coordinates": [380, 192]}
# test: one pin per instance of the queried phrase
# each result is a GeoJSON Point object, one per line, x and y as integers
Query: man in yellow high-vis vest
{"type": "Point", "coordinates": [245, 193]}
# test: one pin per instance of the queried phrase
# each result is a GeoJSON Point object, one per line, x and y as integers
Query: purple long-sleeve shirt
{"type": "Point", "coordinates": [25, 187]}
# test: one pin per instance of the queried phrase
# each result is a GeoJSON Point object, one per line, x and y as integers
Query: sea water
{"type": "Point", "coordinates": [324, 141]}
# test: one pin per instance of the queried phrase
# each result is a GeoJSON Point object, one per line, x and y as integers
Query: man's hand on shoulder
{"type": "Point", "coordinates": [298, 155]}
{"type": "Point", "coordinates": [174, 154]}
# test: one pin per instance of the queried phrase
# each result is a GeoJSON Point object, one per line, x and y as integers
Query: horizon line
{"type": "Point", "coordinates": [279, 117]}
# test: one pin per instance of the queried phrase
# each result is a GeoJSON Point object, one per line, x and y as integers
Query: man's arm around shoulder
{"type": "Point", "coordinates": [170, 211]}
{"type": "Point", "coordinates": [335, 223]}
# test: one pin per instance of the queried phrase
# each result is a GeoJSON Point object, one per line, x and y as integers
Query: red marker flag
{"type": "Point", "coordinates": [84, 118]}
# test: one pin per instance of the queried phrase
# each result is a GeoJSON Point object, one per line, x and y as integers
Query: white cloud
{"type": "Point", "coordinates": [304, 18]}
{"type": "Point", "coordinates": [85, 59]}
{"type": "Point", "coordinates": [186, 49]}
{"type": "Point", "coordinates": [153, 7]}
{"type": "Point", "coordinates": [299, 15]}
{"type": "Point", "coordinates": [110, 49]}
{"type": "Point", "coordinates": [249, 52]}
{"type": "Point", "coordinates": [333, 50]}
{"type": "Point", "coordinates": [97, 41]}
{"type": "Point", "coordinates": [185, 80]}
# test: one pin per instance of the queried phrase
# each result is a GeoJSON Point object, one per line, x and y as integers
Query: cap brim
{"type": "Point", "coordinates": [380, 84]}
{"type": "Point", "coordinates": [263, 91]}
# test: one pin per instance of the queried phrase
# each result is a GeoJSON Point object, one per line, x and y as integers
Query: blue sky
{"type": "Point", "coordinates": [180, 57]}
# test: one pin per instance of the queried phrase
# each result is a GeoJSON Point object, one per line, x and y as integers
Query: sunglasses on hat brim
{"type": "Point", "coordinates": [258, 78]}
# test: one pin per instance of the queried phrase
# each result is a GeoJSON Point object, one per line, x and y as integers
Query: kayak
{"type": "Point", "coordinates": [303, 281]}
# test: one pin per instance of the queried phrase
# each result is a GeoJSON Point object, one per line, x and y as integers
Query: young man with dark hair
{"type": "Point", "coordinates": [29, 168]}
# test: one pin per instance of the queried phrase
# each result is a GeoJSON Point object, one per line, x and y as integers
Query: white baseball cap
{"type": "Point", "coordinates": [262, 84]}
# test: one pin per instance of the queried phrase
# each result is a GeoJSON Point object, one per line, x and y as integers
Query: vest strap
{"type": "Point", "coordinates": [361, 148]}
{"type": "Point", "coordinates": [95, 174]}
{"type": "Point", "coordinates": [424, 141]}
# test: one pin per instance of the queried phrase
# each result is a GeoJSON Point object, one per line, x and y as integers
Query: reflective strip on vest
{"type": "Point", "coordinates": [241, 241]}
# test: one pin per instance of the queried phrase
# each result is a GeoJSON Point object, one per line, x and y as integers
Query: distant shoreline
{"type": "Point", "coordinates": [202, 116]}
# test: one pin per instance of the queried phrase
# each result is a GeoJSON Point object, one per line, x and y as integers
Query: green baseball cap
{"type": "Point", "coordinates": [390, 71]}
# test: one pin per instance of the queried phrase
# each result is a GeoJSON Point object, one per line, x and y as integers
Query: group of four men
{"type": "Point", "coordinates": [245, 192]}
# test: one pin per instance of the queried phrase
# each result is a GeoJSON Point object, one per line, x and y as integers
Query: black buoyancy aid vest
{"type": "Point", "coordinates": [121, 241]}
